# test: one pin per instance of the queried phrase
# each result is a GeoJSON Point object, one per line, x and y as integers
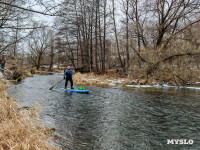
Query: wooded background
{"type": "Point", "coordinates": [149, 40]}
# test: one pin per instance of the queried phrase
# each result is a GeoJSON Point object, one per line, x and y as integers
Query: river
{"type": "Point", "coordinates": [114, 118]}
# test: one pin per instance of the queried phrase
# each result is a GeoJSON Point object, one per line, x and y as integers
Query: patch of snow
{"type": "Point", "coordinates": [130, 85]}
{"type": "Point", "coordinates": [116, 81]}
{"type": "Point", "coordinates": [138, 86]}
{"type": "Point", "coordinates": [110, 80]}
{"type": "Point", "coordinates": [111, 84]}
{"type": "Point", "coordinates": [157, 85]}
{"type": "Point", "coordinates": [136, 80]}
{"type": "Point", "coordinates": [119, 81]}
{"type": "Point", "coordinates": [91, 79]}
{"type": "Point", "coordinates": [164, 86]}
{"type": "Point", "coordinates": [195, 88]}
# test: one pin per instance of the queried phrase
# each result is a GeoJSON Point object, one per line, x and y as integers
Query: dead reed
{"type": "Point", "coordinates": [21, 129]}
{"type": "Point", "coordinates": [101, 80]}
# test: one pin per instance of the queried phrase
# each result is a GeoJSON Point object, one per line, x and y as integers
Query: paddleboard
{"type": "Point", "coordinates": [74, 90]}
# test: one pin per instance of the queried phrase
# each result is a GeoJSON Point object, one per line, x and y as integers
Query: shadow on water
{"type": "Point", "coordinates": [114, 118]}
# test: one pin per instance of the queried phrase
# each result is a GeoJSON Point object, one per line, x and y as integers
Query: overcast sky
{"type": "Point", "coordinates": [48, 20]}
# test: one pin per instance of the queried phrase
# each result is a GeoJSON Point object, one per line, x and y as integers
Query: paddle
{"type": "Point", "coordinates": [56, 84]}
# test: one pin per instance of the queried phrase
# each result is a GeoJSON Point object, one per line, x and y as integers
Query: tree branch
{"type": "Point", "coordinates": [26, 9]}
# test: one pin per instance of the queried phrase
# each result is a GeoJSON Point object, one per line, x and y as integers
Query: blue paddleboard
{"type": "Point", "coordinates": [74, 90]}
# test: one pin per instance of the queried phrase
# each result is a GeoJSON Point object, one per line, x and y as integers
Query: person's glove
{"type": "Point", "coordinates": [64, 77]}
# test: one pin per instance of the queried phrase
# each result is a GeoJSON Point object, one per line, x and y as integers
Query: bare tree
{"type": "Point", "coordinates": [104, 37]}
{"type": "Point", "coordinates": [126, 6]}
{"type": "Point", "coordinates": [51, 54]}
{"type": "Point", "coordinates": [116, 34]}
{"type": "Point", "coordinates": [39, 43]}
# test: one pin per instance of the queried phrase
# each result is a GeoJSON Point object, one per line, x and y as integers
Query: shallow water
{"type": "Point", "coordinates": [114, 118]}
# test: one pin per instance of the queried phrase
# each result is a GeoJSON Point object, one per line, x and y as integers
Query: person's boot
{"type": "Point", "coordinates": [65, 87]}
{"type": "Point", "coordinates": [72, 87]}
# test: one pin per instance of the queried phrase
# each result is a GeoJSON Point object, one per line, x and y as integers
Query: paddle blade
{"type": "Point", "coordinates": [51, 88]}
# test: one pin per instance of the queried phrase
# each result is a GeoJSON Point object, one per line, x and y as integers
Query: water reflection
{"type": "Point", "coordinates": [115, 118]}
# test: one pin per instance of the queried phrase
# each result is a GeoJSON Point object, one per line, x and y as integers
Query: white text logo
{"type": "Point", "coordinates": [180, 141]}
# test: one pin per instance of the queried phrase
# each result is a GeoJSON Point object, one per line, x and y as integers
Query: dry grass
{"type": "Point", "coordinates": [58, 70]}
{"type": "Point", "coordinates": [21, 129]}
{"type": "Point", "coordinates": [101, 80]}
{"type": "Point", "coordinates": [89, 79]}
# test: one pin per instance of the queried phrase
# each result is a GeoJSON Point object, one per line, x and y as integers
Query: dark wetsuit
{"type": "Point", "coordinates": [2, 63]}
{"type": "Point", "coordinates": [68, 76]}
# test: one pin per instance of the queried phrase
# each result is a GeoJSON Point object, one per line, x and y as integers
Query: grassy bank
{"type": "Point", "coordinates": [101, 80]}
{"type": "Point", "coordinates": [114, 80]}
{"type": "Point", "coordinates": [21, 128]}
{"type": "Point", "coordinates": [17, 70]}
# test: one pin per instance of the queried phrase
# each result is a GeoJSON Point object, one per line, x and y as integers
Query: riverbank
{"type": "Point", "coordinates": [21, 128]}
{"type": "Point", "coordinates": [115, 80]}
{"type": "Point", "coordinates": [17, 70]}
{"type": "Point", "coordinates": [100, 80]}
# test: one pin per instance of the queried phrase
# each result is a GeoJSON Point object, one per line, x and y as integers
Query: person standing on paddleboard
{"type": "Point", "coordinates": [68, 76]}
{"type": "Point", "coordinates": [3, 62]}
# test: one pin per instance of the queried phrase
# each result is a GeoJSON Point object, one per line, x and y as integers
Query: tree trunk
{"type": "Point", "coordinates": [104, 40]}
{"type": "Point", "coordinates": [39, 60]}
{"type": "Point", "coordinates": [127, 33]}
{"type": "Point", "coordinates": [91, 41]}
{"type": "Point", "coordinates": [96, 37]}
{"type": "Point", "coordinates": [116, 36]}
{"type": "Point", "coordinates": [52, 56]}
{"type": "Point", "coordinates": [100, 38]}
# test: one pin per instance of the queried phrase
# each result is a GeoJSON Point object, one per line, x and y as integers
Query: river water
{"type": "Point", "coordinates": [114, 118]}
